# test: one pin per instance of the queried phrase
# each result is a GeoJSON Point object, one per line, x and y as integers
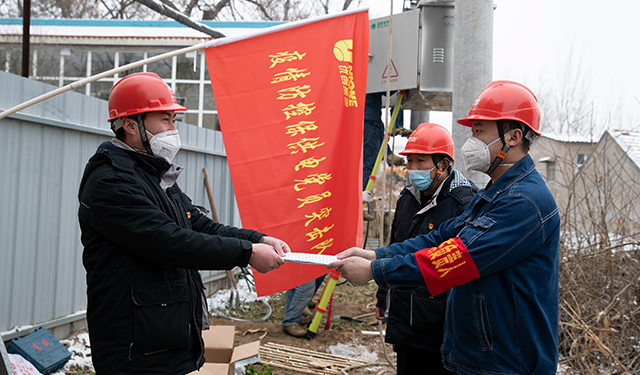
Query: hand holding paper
{"type": "Point", "coordinates": [307, 258]}
{"type": "Point", "coordinates": [354, 264]}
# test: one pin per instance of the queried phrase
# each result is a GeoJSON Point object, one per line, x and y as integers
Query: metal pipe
{"type": "Point", "coordinates": [82, 82]}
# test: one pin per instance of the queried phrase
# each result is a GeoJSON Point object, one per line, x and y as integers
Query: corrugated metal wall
{"type": "Point", "coordinates": [43, 150]}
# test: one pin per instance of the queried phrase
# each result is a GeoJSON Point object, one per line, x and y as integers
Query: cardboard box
{"type": "Point", "coordinates": [220, 354]}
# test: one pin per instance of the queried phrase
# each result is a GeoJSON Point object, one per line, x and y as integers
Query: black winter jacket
{"type": "Point", "coordinates": [142, 248]}
{"type": "Point", "coordinates": [416, 318]}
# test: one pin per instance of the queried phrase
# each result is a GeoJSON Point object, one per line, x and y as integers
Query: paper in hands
{"type": "Point", "coordinates": [307, 258]}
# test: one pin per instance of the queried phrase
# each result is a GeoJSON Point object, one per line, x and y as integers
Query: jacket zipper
{"type": "Point", "coordinates": [171, 196]}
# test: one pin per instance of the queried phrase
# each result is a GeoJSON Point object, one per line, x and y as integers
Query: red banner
{"type": "Point", "coordinates": [291, 109]}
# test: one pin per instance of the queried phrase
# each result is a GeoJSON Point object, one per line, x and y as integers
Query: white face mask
{"type": "Point", "coordinates": [165, 144]}
{"type": "Point", "coordinates": [476, 154]}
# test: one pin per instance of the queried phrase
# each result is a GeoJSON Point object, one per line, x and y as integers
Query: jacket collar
{"type": "Point", "coordinates": [454, 180]}
{"type": "Point", "coordinates": [169, 175]}
{"type": "Point", "coordinates": [511, 177]}
{"type": "Point", "coordinates": [444, 188]}
{"type": "Point", "coordinates": [125, 158]}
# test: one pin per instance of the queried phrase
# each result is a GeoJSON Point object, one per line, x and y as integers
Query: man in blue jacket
{"type": "Point", "coordinates": [144, 241]}
{"type": "Point", "coordinates": [499, 258]}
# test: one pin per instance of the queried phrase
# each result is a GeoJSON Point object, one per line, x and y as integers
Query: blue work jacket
{"type": "Point", "coordinates": [506, 320]}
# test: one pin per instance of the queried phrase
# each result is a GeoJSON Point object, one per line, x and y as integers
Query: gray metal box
{"type": "Point", "coordinates": [436, 57]}
{"type": "Point", "coordinates": [421, 55]}
{"type": "Point", "coordinates": [403, 74]}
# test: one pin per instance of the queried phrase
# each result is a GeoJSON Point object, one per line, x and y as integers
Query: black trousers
{"type": "Point", "coordinates": [413, 361]}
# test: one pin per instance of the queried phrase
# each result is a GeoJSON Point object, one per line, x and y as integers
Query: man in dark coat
{"type": "Point", "coordinates": [144, 241]}
{"type": "Point", "coordinates": [436, 192]}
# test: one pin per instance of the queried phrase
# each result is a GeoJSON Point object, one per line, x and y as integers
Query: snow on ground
{"type": "Point", "coordinates": [220, 300]}
{"type": "Point", "coordinates": [80, 349]}
{"type": "Point", "coordinates": [353, 351]}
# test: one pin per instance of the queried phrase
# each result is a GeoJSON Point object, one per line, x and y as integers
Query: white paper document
{"type": "Point", "coordinates": [307, 258]}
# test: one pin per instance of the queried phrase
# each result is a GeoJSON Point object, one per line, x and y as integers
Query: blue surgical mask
{"type": "Point", "coordinates": [420, 179]}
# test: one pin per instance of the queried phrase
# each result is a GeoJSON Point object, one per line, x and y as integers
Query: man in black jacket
{"type": "Point", "coordinates": [436, 192]}
{"type": "Point", "coordinates": [144, 241]}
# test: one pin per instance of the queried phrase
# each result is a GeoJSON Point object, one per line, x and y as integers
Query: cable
{"type": "Point", "coordinates": [384, 347]}
{"type": "Point", "coordinates": [246, 274]}
{"type": "Point", "coordinates": [345, 371]}
{"type": "Point", "coordinates": [233, 304]}
{"type": "Point", "coordinates": [241, 319]}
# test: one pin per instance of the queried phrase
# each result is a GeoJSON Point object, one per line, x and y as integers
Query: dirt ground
{"type": "Point", "coordinates": [354, 302]}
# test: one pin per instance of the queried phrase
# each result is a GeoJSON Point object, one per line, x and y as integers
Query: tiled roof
{"type": "Point", "coordinates": [166, 29]}
{"type": "Point", "coordinates": [629, 141]}
{"type": "Point", "coordinates": [572, 136]}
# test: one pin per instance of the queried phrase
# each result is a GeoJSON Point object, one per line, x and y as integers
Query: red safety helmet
{"type": "Point", "coordinates": [505, 100]}
{"type": "Point", "coordinates": [429, 139]}
{"type": "Point", "coordinates": [140, 93]}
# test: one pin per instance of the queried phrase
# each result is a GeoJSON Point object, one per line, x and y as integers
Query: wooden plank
{"type": "Point", "coordinates": [305, 360]}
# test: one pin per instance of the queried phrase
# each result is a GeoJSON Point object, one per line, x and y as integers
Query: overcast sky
{"type": "Point", "coordinates": [541, 43]}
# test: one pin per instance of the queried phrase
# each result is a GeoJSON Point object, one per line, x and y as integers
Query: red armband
{"type": "Point", "coordinates": [446, 266]}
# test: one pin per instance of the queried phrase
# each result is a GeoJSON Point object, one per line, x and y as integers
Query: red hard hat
{"type": "Point", "coordinates": [429, 139]}
{"type": "Point", "coordinates": [140, 93]}
{"type": "Point", "coordinates": [505, 100]}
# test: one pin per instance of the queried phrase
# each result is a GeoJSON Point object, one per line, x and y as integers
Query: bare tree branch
{"type": "Point", "coordinates": [169, 4]}
{"type": "Point", "coordinates": [108, 9]}
{"type": "Point", "coordinates": [164, 10]}
{"type": "Point", "coordinates": [192, 4]}
{"type": "Point", "coordinates": [211, 14]}
{"type": "Point", "coordinates": [262, 9]}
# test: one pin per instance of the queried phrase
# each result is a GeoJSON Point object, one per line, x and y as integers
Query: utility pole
{"type": "Point", "coordinates": [26, 34]}
{"type": "Point", "coordinates": [472, 69]}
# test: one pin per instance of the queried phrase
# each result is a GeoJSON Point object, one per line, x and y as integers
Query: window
{"type": "Point", "coordinates": [62, 64]}
{"type": "Point", "coordinates": [551, 171]}
{"type": "Point", "coordinates": [47, 65]}
{"type": "Point", "coordinates": [161, 68]}
{"type": "Point", "coordinates": [75, 64]}
{"type": "Point", "coordinates": [128, 58]}
{"type": "Point", "coordinates": [11, 60]}
{"type": "Point", "coordinates": [580, 159]}
{"type": "Point", "coordinates": [102, 61]}
{"type": "Point", "coordinates": [188, 66]}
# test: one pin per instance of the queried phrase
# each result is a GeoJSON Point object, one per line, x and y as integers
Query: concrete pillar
{"type": "Point", "coordinates": [418, 117]}
{"type": "Point", "coordinates": [472, 69]}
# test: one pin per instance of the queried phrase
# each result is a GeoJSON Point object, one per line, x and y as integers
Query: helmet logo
{"type": "Point", "coordinates": [173, 94]}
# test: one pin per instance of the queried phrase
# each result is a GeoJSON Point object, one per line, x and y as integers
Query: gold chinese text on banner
{"type": "Point", "coordinates": [291, 109]}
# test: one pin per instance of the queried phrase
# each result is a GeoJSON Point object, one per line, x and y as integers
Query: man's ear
{"type": "Point", "coordinates": [514, 137]}
{"type": "Point", "coordinates": [444, 163]}
{"type": "Point", "coordinates": [129, 126]}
